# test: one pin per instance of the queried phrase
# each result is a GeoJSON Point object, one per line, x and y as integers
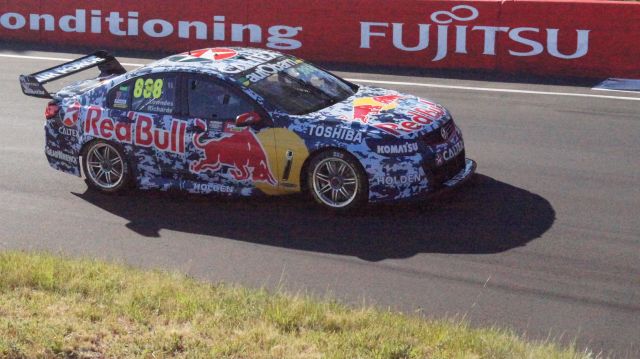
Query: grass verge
{"type": "Point", "coordinates": [57, 307]}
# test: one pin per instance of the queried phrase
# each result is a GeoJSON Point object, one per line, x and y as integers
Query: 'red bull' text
{"type": "Point", "coordinates": [138, 131]}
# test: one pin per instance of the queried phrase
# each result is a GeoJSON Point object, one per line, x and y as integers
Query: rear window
{"type": "Point", "coordinates": [119, 97]}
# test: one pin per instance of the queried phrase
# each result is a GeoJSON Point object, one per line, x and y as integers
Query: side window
{"type": "Point", "coordinates": [120, 96]}
{"type": "Point", "coordinates": [211, 101]}
{"type": "Point", "coordinates": [154, 93]}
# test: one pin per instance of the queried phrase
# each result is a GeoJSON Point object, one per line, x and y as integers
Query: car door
{"type": "Point", "coordinates": [143, 115]}
{"type": "Point", "coordinates": [221, 150]}
{"type": "Point", "coordinates": [160, 131]}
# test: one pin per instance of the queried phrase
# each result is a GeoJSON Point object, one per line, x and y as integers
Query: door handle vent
{"type": "Point", "coordinates": [287, 166]}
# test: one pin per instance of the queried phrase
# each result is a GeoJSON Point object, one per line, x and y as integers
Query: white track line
{"type": "Point", "coordinates": [55, 59]}
{"type": "Point", "coordinates": [486, 89]}
{"type": "Point", "coordinates": [612, 90]}
{"type": "Point", "coordinates": [451, 87]}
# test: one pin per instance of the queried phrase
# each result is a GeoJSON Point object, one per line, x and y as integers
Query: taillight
{"type": "Point", "coordinates": [52, 110]}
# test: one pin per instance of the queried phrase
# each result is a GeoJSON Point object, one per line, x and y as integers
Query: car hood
{"type": "Point", "coordinates": [388, 111]}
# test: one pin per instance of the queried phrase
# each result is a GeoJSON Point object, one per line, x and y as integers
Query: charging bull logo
{"type": "Point", "coordinates": [238, 149]}
{"type": "Point", "coordinates": [365, 107]}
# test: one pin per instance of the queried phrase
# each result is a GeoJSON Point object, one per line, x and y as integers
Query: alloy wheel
{"type": "Point", "coordinates": [105, 166]}
{"type": "Point", "coordinates": [335, 182]}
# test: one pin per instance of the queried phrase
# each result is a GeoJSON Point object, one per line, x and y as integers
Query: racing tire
{"type": "Point", "coordinates": [337, 181]}
{"type": "Point", "coordinates": [106, 167]}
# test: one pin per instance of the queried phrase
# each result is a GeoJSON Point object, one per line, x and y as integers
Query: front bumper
{"type": "Point", "coordinates": [438, 166]}
{"type": "Point", "coordinates": [456, 181]}
{"type": "Point", "coordinates": [462, 176]}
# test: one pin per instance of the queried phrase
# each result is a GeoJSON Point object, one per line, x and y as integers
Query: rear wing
{"type": "Point", "coordinates": [32, 85]}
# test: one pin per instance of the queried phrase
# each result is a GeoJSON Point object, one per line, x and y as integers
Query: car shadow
{"type": "Point", "coordinates": [484, 216]}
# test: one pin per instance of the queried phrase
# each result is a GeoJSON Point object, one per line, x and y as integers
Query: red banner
{"type": "Point", "coordinates": [588, 38]}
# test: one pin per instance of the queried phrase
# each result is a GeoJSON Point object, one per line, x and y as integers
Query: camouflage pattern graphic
{"type": "Point", "coordinates": [397, 138]}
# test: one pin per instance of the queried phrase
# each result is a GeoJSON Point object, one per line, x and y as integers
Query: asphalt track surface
{"type": "Point", "coordinates": [545, 240]}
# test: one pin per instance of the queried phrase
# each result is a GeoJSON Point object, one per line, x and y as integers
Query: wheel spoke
{"type": "Point", "coordinates": [323, 181]}
{"type": "Point", "coordinates": [327, 167]}
{"type": "Point", "coordinates": [334, 195]}
{"type": "Point", "coordinates": [349, 181]}
{"type": "Point", "coordinates": [341, 168]}
{"type": "Point", "coordinates": [344, 192]}
{"type": "Point", "coordinates": [115, 160]}
{"type": "Point", "coordinates": [107, 175]}
{"type": "Point", "coordinates": [116, 173]}
{"type": "Point", "coordinates": [325, 189]}
{"type": "Point", "coordinates": [322, 176]}
{"type": "Point", "coordinates": [107, 153]}
{"type": "Point", "coordinates": [100, 173]}
{"type": "Point", "coordinates": [97, 154]}
{"type": "Point", "coordinates": [330, 168]}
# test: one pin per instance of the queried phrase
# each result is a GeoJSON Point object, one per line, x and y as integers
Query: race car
{"type": "Point", "coordinates": [246, 122]}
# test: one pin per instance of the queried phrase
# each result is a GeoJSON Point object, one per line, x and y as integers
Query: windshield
{"type": "Point", "coordinates": [302, 88]}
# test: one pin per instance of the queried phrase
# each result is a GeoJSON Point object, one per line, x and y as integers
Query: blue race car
{"type": "Point", "coordinates": [239, 121]}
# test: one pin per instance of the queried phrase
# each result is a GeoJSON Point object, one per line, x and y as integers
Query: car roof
{"type": "Point", "coordinates": [224, 62]}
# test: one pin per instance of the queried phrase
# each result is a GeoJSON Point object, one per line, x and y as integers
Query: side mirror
{"type": "Point", "coordinates": [248, 119]}
{"type": "Point", "coordinates": [199, 126]}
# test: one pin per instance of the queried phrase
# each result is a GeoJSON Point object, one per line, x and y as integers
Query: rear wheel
{"type": "Point", "coordinates": [337, 181]}
{"type": "Point", "coordinates": [106, 167]}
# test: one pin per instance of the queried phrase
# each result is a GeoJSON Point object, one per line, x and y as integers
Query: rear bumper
{"type": "Point", "coordinates": [61, 147]}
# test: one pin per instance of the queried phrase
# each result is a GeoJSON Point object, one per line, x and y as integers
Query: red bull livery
{"type": "Point", "coordinates": [249, 163]}
{"type": "Point", "coordinates": [248, 122]}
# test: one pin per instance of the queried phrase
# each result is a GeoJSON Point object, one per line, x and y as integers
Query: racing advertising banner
{"type": "Point", "coordinates": [577, 38]}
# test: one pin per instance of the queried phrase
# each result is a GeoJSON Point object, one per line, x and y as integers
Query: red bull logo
{"type": "Point", "coordinates": [238, 149]}
{"type": "Point", "coordinates": [422, 115]}
{"type": "Point", "coordinates": [365, 107]}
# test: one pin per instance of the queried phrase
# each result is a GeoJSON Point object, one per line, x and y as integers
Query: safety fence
{"type": "Point", "coordinates": [574, 38]}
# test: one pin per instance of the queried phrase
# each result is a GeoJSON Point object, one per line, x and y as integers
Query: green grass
{"type": "Point", "coordinates": [57, 307]}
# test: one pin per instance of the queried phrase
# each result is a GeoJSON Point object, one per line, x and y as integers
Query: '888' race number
{"type": "Point", "coordinates": [148, 88]}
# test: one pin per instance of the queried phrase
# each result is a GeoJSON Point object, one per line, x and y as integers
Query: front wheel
{"type": "Point", "coordinates": [105, 167]}
{"type": "Point", "coordinates": [337, 181]}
